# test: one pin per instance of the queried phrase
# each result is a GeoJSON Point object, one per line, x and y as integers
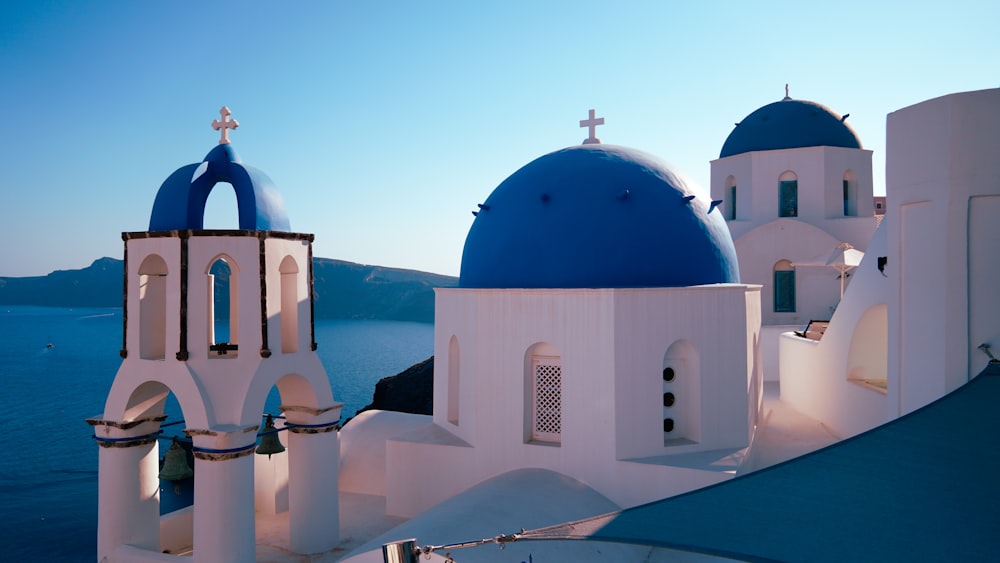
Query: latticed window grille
{"type": "Point", "coordinates": [547, 404]}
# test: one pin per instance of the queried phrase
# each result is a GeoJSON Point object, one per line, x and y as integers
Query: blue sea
{"type": "Point", "coordinates": [48, 461]}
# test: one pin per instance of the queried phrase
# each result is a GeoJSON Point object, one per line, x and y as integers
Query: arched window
{"type": "Point", "coordinates": [784, 287]}
{"type": "Point", "coordinates": [289, 271]}
{"type": "Point", "coordinates": [153, 308]}
{"type": "Point", "coordinates": [729, 198]}
{"type": "Point", "coordinates": [788, 195]}
{"type": "Point", "coordinates": [681, 394]}
{"type": "Point", "coordinates": [453, 381]}
{"type": "Point", "coordinates": [543, 380]}
{"type": "Point", "coordinates": [850, 184]}
{"type": "Point", "coordinates": [223, 309]}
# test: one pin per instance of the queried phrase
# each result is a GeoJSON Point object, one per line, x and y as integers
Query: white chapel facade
{"type": "Point", "coordinates": [599, 331]}
{"type": "Point", "coordinates": [794, 184]}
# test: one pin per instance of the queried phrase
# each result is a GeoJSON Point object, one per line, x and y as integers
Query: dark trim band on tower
{"type": "Point", "coordinates": [218, 233]}
{"type": "Point", "coordinates": [312, 300]}
{"type": "Point", "coordinates": [265, 352]}
{"type": "Point", "coordinates": [182, 352]}
{"type": "Point", "coordinates": [124, 351]}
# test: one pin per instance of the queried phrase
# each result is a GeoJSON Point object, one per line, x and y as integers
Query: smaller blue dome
{"type": "Point", "coordinates": [180, 201]}
{"type": "Point", "coordinates": [597, 216]}
{"type": "Point", "coordinates": [790, 124]}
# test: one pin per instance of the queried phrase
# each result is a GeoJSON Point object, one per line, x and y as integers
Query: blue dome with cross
{"type": "Point", "coordinates": [598, 216]}
{"type": "Point", "coordinates": [180, 201]}
{"type": "Point", "coordinates": [790, 124]}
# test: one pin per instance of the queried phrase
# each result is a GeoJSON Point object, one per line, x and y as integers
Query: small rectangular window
{"type": "Point", "coordinates": [789, 194]}
{"type": "Point", "coordinates": [784, 291]}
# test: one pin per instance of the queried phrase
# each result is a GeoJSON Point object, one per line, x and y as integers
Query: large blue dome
{"type": "Point", "coordinates": [180, 201]}
{"type": "Point", "coordinates": [594, 216]}
{"type": "Point", "coordinates": [790, 124]}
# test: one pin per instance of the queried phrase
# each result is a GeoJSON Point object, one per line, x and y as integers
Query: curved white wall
{"type": "Point", "coordinates": [815, 374]}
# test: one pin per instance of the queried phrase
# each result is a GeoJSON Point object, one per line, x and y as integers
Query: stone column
{"type": "Point", "coordinates": [128, 501]}
{"type": "Point", "coordinates": [313, 463]}
{"type": "Point", "coordinates": [223, 495]}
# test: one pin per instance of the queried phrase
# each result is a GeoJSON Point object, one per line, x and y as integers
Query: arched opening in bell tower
{"type": "Point", "coordinates": [153, 308]}
{"type": "Point", "coordinates": [289, 271]}
{"type": "Point", "coordinates": [221, 208]}
{"type": "Point", "coordinates": [147, 491]}
{"type": "Point", "coordinates": [296, 461]}
{"type": "Point", "coordinates": [223, 308]}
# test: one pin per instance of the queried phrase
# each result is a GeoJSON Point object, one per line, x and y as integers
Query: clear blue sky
{"type": "Point", "coordinates": [385, 123]}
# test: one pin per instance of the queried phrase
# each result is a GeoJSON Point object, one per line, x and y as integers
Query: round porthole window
{"type": "Point", "coordinates": [668, 425]}
{"type": "Point", "coordinates": [668, 399]}
{"type": "Point", "coordinates": [668, 374]}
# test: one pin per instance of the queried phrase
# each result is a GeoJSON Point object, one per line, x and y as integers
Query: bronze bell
{"type": "Point", "coordinates": [175, 465]}
{"type": "Point", "coordinates": [269, 442]}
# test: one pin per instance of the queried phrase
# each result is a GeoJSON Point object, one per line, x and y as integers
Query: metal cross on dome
{"type": "Point", "coordinates": [225, 125]}
{"type": "Point", "coordinates": [591, 123]}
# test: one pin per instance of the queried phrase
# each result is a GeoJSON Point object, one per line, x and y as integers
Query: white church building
{"type": "Point", "coordinates": [603, 348]}
{"type": "Point", "coordinates": [795, 184]}
{"type": "Point", "coordinates": [598, 291]}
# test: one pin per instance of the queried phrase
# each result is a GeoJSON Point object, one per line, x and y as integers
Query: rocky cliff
{"type": "Point", "coordinates": [343, 290]}
{"type": "Point", "coordinates": [410, 391]}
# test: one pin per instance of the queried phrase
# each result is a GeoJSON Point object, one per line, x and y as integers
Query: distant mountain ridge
{"type": "Point", "coordinates": [344, 290]}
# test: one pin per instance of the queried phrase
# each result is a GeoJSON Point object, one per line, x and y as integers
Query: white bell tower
{"type": "Point", "coordinates": [176, 277]}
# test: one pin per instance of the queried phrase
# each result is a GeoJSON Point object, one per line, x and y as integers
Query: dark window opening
{"type": "Point", "coordinates": [784, 291]}
{"type": "Point", "coordinates": [789, 194]}
{"type": "Point", "coordinates": [668, 374]}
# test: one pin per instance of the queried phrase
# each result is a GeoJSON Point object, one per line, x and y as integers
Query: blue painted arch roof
{"type": "Point", "coordinates": [180, 201]}
{"type": "Point", "coordinates": [595, 216]}
{"type": "Point", "coordinates": [790, 124]}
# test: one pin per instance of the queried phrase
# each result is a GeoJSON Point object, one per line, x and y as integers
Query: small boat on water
{"type": "Point", "coordinates": [50, 345]}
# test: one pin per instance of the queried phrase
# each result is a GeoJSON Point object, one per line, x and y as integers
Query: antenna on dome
{"type": "Point", "coordinates": [591, 123]}
{"type": "Point", "coordinates": [787, 97]}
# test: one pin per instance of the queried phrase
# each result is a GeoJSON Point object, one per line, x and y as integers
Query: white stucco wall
{"type": "Point", "coordinates": [612, 344]}
{"type": "Point", "coordinates": [820, 173]}
{"type": "Point", "coordinates": [762, 238]}
{"type": "Point", "coordinates": [770, 335]}
{"type": "Point", "coordinates": [816, 376]}
{"type": "Point", "coordinates": [362, 448]}
{"type": "Point", "coordinates": [817, 289]}
{"type": "Point", "coordinates": [942, 188]}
